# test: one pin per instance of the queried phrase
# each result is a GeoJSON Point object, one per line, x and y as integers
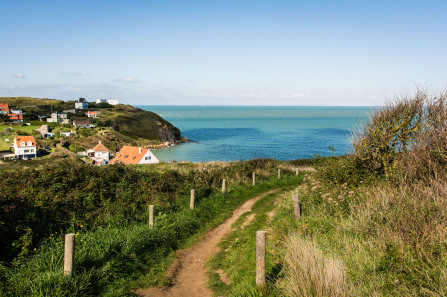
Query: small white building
{"type": "Point", "coordinates": [25, 147]}
{"type": "Point", "coordinates": [134, 155]}
{"type": "Point", "coordinates": [83, 123]}
{"type": "Point", "coordinates": [66, 133]}
{"type": "Point", "coordinates": [15, 111]}
{"type": "Point", "coordinates": [98, 101]}
{"type": "Point", "coordinates": [81, 104]}
{"type": "Point", "coordinates": [92, 114]}
{"type": "Point", "coordinates": [58, 117]}
{"type": "Point", "coordinates": [99, 154]}
{"type": "Point", "coordinates": [113, 102]}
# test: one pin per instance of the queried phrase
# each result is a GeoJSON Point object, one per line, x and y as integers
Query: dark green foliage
{"type": "Point", "coordinates": [344, 169]}
{"type": "Point", "coordinates": [107, 207]}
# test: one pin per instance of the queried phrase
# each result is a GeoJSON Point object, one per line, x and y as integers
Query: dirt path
{"type": "Point", "coordinates": [188, 273]}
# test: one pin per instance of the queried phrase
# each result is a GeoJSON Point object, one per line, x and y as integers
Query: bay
{"type": "Point", "coordinates": [230, 133]}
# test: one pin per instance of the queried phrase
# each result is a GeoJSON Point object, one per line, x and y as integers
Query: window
{"type": "Point", "coordinates": [25, 151]}
{"type": "Point", "coordinates": [147, 158]}
{"type": "Point", "coordinates": [30, 143]}
{"type": "Point", "coordinates": [134, 157]}
{"type": "Point", "coordinates": [22, 143]}
{"type": "Point", "coordinates": [126, 156]}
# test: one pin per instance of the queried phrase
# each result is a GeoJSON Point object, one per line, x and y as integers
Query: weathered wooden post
{"type": "Point", "coordinates": [296, 207]}
{"type": "Point", "coordinates": [297, 171]}
{"type": "Point", "coordinates": [260, 259]}
{"type": "Point", "coordinates": [191, 202]}
{"type": "Point", "coordinates": [279, 173]}
{"type": "Point", "coordinates": [254, 179]}
{"type": "Point", "coordinates": [151, 217]}
{"type": "Point", "coordinates": [69, 253]}
{"type": "Point", "coordinates": [223, 185]}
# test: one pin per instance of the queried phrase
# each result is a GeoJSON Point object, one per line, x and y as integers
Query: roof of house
{"type": "Point", "coordinates": [4, 107]}
{"type": "Point", "coordinates": [129, 155]}
{"type": "Point", "coordinates": [92, 112]}
{"type": "Point", "coordinates": [13, 116]}
{"type": "Point", "coordinates": [100, 148]}
{"type": "Point", "coordinates": [25, 139]}
{"type": "Point", "coordinates": [82, 122]}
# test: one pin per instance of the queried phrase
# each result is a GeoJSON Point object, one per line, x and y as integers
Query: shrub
{"type": "Point", "coordinates": [390, 131]}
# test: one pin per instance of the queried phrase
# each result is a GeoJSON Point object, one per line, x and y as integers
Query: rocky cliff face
{"type": "Point", "coordinates": [137, 123]}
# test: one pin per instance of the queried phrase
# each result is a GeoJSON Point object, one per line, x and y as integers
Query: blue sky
{"type": "Point", "coordinates": [223, 52]}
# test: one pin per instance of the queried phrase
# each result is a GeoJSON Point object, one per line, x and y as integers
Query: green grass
{"type": "Point", "coordinates": [116, 259]}
{"type": "Point", "coordinates": [237, 255]}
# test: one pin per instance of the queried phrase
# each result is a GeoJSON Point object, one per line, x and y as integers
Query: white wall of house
{"type": "Point", "coordinates": [149, 158]}
{"type": "Point", "coordinates": [24, 151]}
{"type": "Point", "coordinates": [81, 105]}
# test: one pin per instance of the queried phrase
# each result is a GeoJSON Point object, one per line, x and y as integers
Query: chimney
{"type": "Point", "coordinates": [139, 150]}
{"type": "Point", "coordinates": [100, 142]}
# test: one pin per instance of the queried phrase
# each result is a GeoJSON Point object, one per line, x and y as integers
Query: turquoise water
{"type": "Point", "coordinates": [229, 133]}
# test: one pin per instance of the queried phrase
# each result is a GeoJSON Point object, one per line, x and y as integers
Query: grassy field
{"type": "Point", "coordinates": [122, 256]}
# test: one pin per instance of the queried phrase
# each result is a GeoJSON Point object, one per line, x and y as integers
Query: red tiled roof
{"type": "Point", "coordinates": [129, 155]}
{"type": "Point", "coordinates": [100, 148]}
{"type": "Point", "coordinates": [13, 116]}
{"type": "Point", "coordinates": [25, 139]}
{"type": "Point", "coordinates": [82, 122]}
{"type": "Point", "coordinates": [4, 107]}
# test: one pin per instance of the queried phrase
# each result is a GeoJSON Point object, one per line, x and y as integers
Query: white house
{"type": "Point", "coordinates": [134, 155]}
{"type": "Point", "coordinates": [98, 101]}
{"type": "Point", "coordinates": [99, 154]}
{"type": "Point", "coordinates": [16, 111]}
{"type": "Point", "coordinates": [113, 102]}
{"type": "Point", "coordinates": [81, 104]}
{"type": "Point", "coordinates": [92, 114]}
{"type": "Point", "coordinates": [66, 133]}
{"type": "Point", "coordinates": [83, 123]}
{"type": "Point", "coordinates": [25, 147]}
{"type": "Point", "coordinates": [58, 117]}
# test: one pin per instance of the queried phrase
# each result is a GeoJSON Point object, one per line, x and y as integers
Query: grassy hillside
{"type": "Point", "coordinates": [118, 125]}
{"type": "Point", "coordinates": [107, 208]}
{"type": "Point", "coordinates": [372, 223]}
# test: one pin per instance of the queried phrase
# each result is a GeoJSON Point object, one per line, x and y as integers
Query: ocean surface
{"type": "Point", "coordinates": [229, 133]}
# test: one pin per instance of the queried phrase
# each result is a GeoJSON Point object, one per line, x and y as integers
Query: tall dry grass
{"type": "Point", "coordinates": [309, 272]}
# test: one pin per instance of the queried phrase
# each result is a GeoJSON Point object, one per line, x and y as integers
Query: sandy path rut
{"type": "Point", "coordinates": [188, 273]}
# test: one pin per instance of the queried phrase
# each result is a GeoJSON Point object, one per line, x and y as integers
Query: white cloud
{"type": "Point", "coordinates": [20, 75]}
{"type": "Point", "coordinates": [128, 80]}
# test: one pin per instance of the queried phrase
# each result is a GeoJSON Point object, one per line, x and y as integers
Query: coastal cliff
{"type": "Point", "coordinates": [115, 125]}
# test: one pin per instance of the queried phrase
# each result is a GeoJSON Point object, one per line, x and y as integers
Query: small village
{"type": "Point", "coordinates": [29, 140]}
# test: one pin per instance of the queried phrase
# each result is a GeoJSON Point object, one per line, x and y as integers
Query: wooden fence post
{"type": "Point", "coordinates": [297, 171]}
{"type": "Point", "coordinates": [254, 179]}
{"type": "Point", "coordinates": [223, 185]}
{"type": "Point", "coordinates": [191, 202]}
{"type": "Point", "coordinates": [151, 217]}
{"type": "Point", "coordinates": [296, 207]}
{"type": "Point", "coordinates": [279, 173]}
{"type": "Point", "coordinates": [260, 259]}
{"type": "Point", "coordinates": [69, 253]}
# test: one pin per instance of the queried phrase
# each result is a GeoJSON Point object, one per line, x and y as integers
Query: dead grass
{"type": "Point", "coordinates": [309, 272]}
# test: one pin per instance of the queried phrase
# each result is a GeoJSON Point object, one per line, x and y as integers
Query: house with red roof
{"type": "Point", "coordinates": [25, 147]}
{"type": "Point", "coordinates": [92, 114]}
{"type": "Point", "coordinates": [15, 118]}
{"type": "Point", "coordinates": [134, 155]}
{"type": "Point", "coordinates": [99, 154]}
{"type": "Point", "coordinates": [4, 109]}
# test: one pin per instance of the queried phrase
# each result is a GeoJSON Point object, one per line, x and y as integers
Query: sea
{"type": "Point", "coordinates": [231, 133]}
